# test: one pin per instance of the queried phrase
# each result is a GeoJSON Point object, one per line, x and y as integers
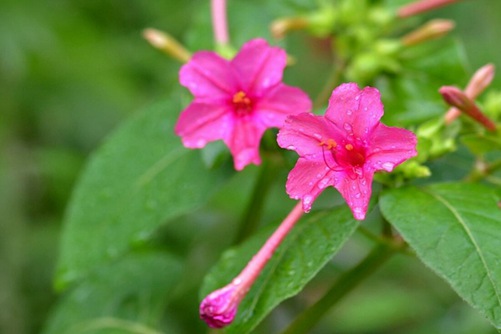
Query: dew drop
{"type": "Point", "coordinates": [388, 166]}
{"type": "Point", "coordinates": [307, 199]}
{"type": "Point", "coordinates": [317, 135]}
{"type": "Point", "coordinates": [323, 183]}
{"type": "Point", "coordinates": [347, 127]}
{"type": "Point", "coordinates": [237, 281]}
{"type": "Point", "coordinates": [358, 195]}
{"type": "Point", "coordinates": [291, 147]}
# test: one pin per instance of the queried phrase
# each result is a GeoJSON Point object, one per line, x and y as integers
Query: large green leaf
{"type": "Point", "coordinates": [308, 247]}
{"type": "Point", "coordinates": [118, 298]}
{"type": "Point", "coordinates": [455, 229]}
{"type": "Point", "coordinates": [139, 179]}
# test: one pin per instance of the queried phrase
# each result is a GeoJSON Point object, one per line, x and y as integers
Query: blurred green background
{"type": "Point", "coordinates": [70, 71]}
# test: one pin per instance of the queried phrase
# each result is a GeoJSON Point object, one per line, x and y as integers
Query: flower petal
{"type": "Point", "coordinates": [390, 147]}
{"type": "Point", "coordinates": [259, 66]}
{"type": "Point", "coordinates": [244, 142]}
{"type": "Point", "coordinates": [279, 102]}
{"type": "Point", "coordinates": [307, 180]}
{"type": "Point", "coordinates": [354, 110]}
{"type": "Point", "coordinates": [303, 133]}
{"type": "Point", "coordinates": [357, 192]}
{"type": "Point", "coordinates": [200, 123]}
{"type": "Point", "coordinates": [207, 75]}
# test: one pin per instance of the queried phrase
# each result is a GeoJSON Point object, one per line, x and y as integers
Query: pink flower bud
{"type": "Point", "coordinates": [478, 83]}
{"type": "Point", "coordinates": [456, 98]}
{"type": "Point", "coordinates": [422, 6]}
{"type": "Point", "coordinates": [431, 30]}
{"type": "Point", "coordinates": [219, 308]}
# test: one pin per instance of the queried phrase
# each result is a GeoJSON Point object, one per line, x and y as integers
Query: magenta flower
{"type": "Point", "coordinates": [344, 148]}
{"type": "Point", "coordinates": [237, 100]}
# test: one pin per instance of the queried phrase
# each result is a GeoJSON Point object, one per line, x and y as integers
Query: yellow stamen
{"type": "Point", "coordinates": [241, 98]}
{"type": "Point", "coordinates": [329, 143]}
{"type": "Point", "coordinates": [349, 147]}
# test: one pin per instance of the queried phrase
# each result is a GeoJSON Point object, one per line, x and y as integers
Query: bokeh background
{"type": "Point", "coordinates": [71, 71]}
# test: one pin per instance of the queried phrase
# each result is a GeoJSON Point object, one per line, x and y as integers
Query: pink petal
{"type": "Point", "coordinates": [390, 147]}
{"type": "Point", "coordinates": [207, 75]}
{"type": "Point", "coordinates": [259, 66]}
{"type": "Point", "coordinates": [279, 102]}
{"type": "Point", "coordinates": [357, 193]}
{"type": "Point", "coordinates": [303, 133]}
{"type": "Point", "coordinates": [307, 180]}
{"type": "Point", "coordinates": [200, 123]}
{"type": "Point", "coordinates": [355, 111]}
{"type": "Point", "coordinates": [244, 142]}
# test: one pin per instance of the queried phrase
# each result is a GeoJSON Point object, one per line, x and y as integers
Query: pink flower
{"type": "Point", "coordinates": [237, 100]}
{"type": "Point", "coordinates": [344, 148]}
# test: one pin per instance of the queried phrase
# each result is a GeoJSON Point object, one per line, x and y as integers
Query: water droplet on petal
{"type": "Point", "coordinates": [358, 195]}
{"type": "Point", "coordinates": [317, 135]}
{"type": "Point", "coordinates": [291, 147]}
{"type": "Point", "coordinates": [323, 183]}
{"type": "Point", "coordinates": [348, 127]}
{"type": "Point", "coordinates": [358, 213]}
{"type": "Point", "coordinates": [307, 200]}
{"type": "Point", "coordinates": [388, 166]}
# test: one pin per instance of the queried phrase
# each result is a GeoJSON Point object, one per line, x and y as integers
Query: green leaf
{"type": "Point", "coordinates": [455, 229]}
{"type": "Point", "coordinates": [482, 143]}
{"type": "Point", "coordinates": [308, 247]}
{"type": "Point", "coordinates": [412, 96]}
{"type": "Point", "coordinates": [119, 298]}
{"type": "Point", "coordinates": [140, 178]}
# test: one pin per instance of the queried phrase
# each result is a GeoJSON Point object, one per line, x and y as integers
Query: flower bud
{"type": "Point", "coordinates": [422, 6]}
{"type": "Point", "coordinates": [219, 308]}
{"type": "Point", "coordinates": [431, 30]}
{"type": "Point", "coordinates": [279, 28]}
{"type": "Point", "coordinates": [167, 44]}
{"type": "Point", "coordinates": [478, 83]}
{"type": "Point", "coordinates": [456, 98]}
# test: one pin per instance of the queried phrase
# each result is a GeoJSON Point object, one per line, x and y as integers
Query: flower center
{"type": "Point", "coordinates": [348, 157]}
{"type": "Point", "coordinates": [242, 103]}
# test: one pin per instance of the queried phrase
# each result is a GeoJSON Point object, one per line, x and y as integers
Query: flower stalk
{"type": "Point", "coordinates": [219, 308]}
{"type": "Point", "coordinates": [220, 22]}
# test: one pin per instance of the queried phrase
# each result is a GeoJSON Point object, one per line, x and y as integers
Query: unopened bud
{"type": "Point", "coordinates": [431, 30]}
{"type": "Point", "coordinates": [456, 98]}
{"type": "Point", "coordinates": [477, 84]}
{"type": "Point", "coordinates": [279, 28]}
{"type": "Point", "coordinates": [480, 81]}
{"type": "Point", "coordinates": [422, 6]}
{"type": "Point", "coordinates": [219, 308]}
{"type": "Point", "coordinates": [167, 44]}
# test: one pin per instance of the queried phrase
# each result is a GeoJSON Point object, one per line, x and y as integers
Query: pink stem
{"type": "Point", "coordinates": [254, 267]}
{"type": "Point", "coordinates": [219, 21]}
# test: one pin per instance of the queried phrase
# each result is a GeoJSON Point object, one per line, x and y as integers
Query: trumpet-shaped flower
{"type": "Point", "coordinates": [344, 148]}
{"type": "Point", "coordinates": [237, 100]}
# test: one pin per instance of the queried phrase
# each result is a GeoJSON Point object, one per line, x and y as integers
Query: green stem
{"type": "Point", "coordinates": [347, 282]}
{"type": "Point", "coordinates": [332, 82]}
{"type": "Point", "coordinates": [254, 210]}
